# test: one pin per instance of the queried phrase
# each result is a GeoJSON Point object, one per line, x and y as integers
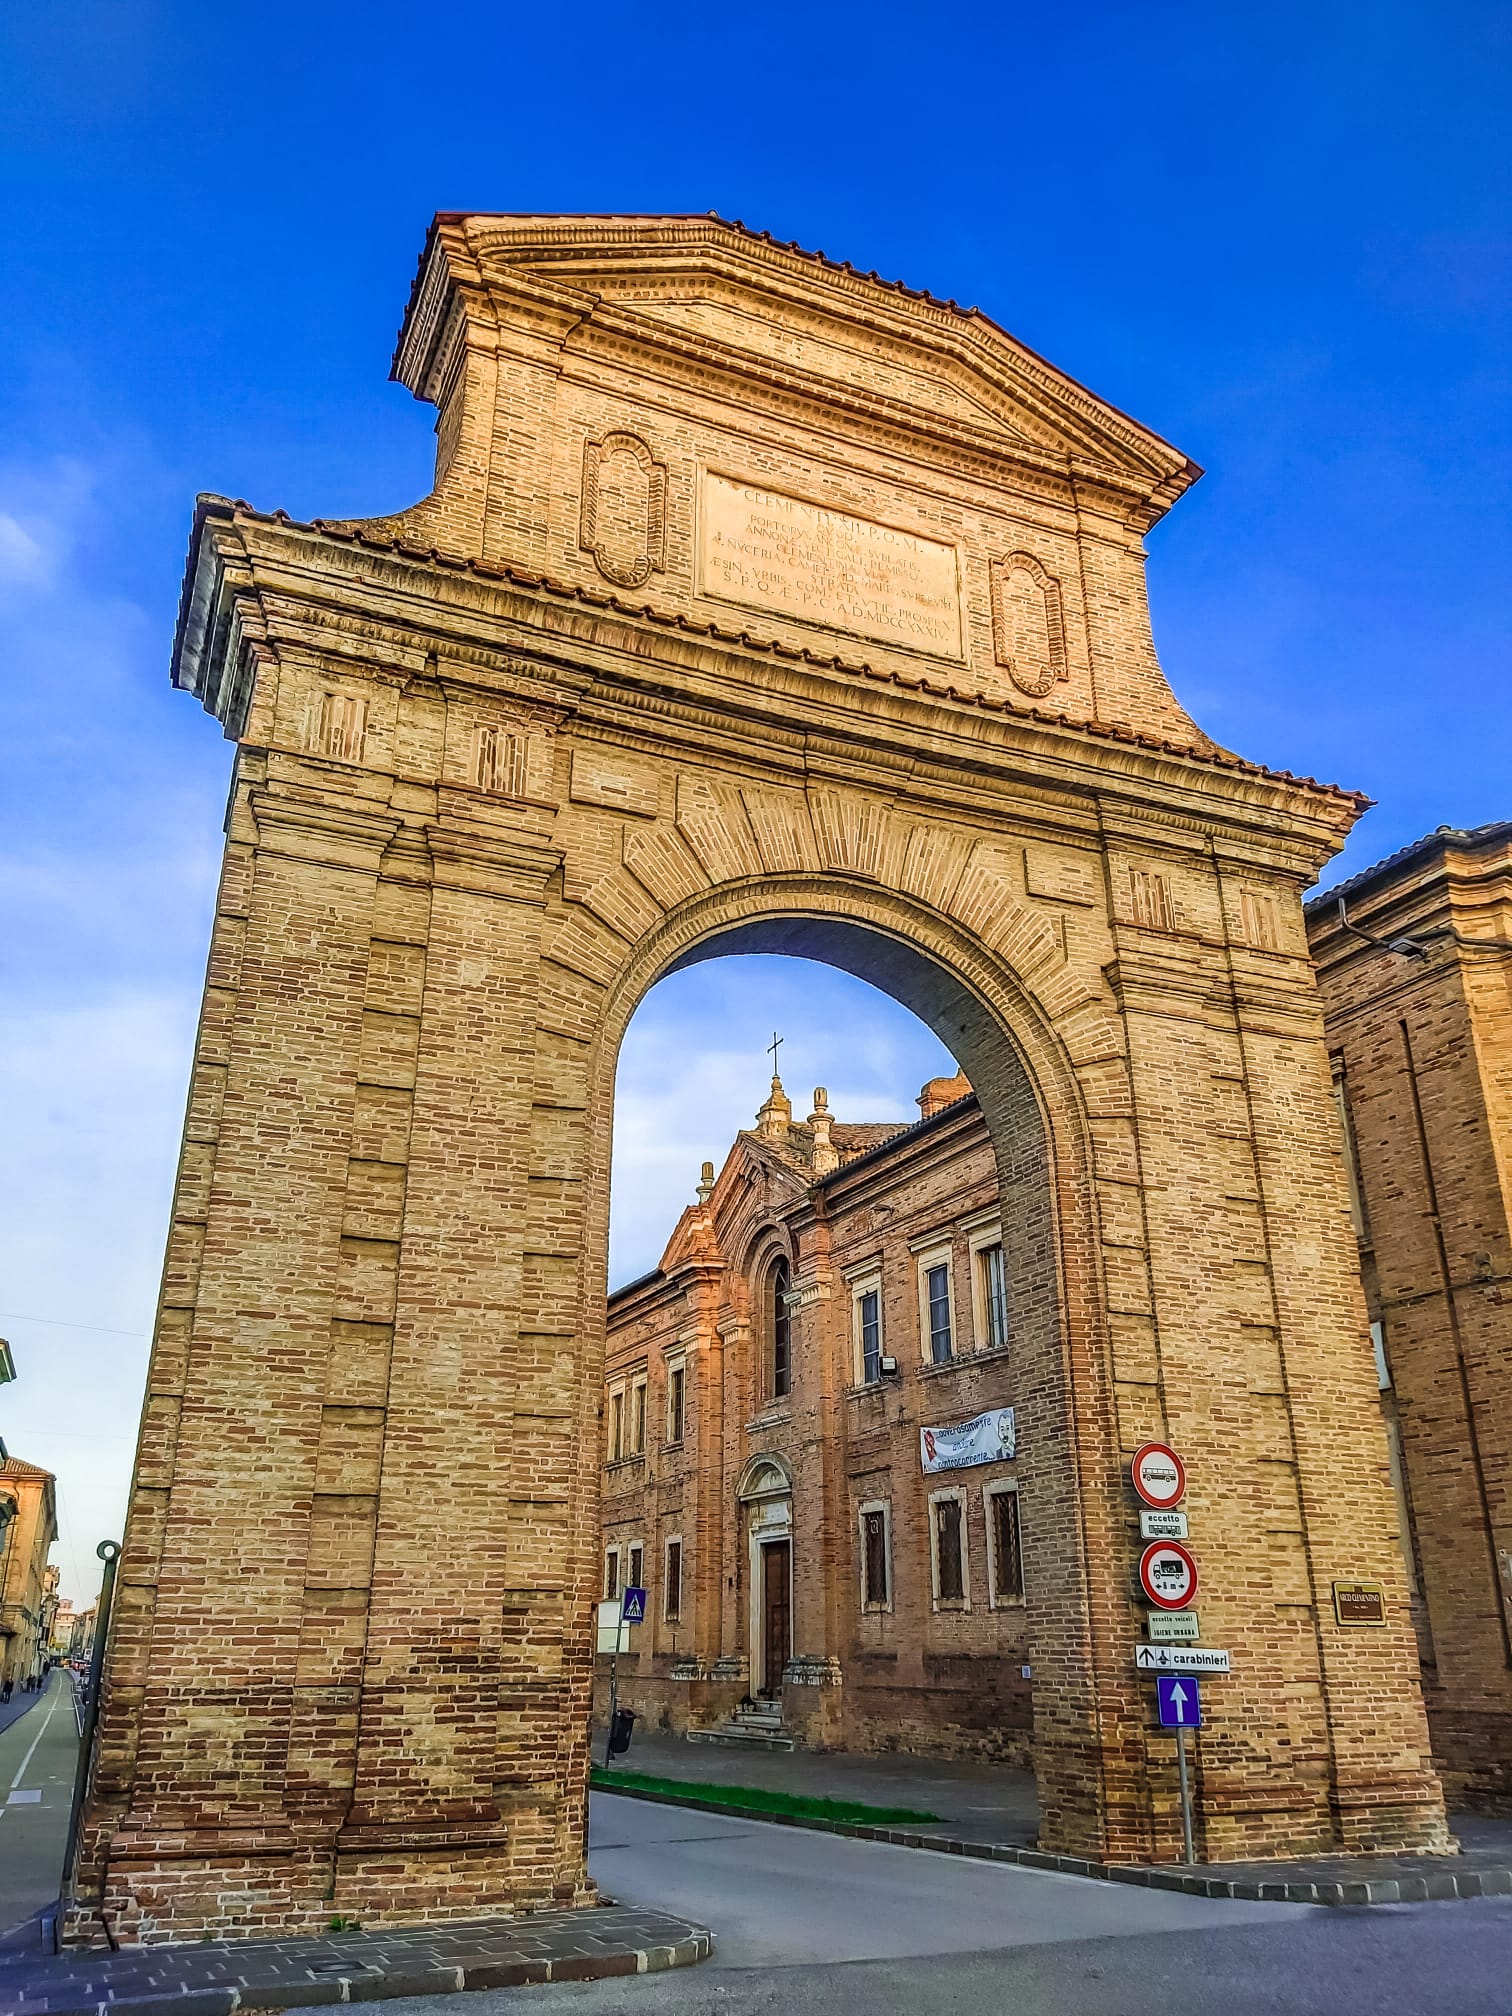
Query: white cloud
{"type": "Point", "coordinates": [22, 558]}
{"type": "Point", "coordinates": [693, 1071]}
{"type": "Point", "coordinates": [94, 1095]}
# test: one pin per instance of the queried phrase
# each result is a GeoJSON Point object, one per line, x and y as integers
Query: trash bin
{"type": "Point", "coordinates": [619, 1731]}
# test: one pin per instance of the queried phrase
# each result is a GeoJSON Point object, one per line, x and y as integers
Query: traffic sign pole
{"type": "Point", "coordinates": [632, 1611]}
{"type": "Point", "coordinates": [619, 1633]}
{"type": "Point", "coordinates": [1188, 1855]}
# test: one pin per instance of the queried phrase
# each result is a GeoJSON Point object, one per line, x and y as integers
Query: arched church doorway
{"type": "Point", "coordinates": [765, 1494]}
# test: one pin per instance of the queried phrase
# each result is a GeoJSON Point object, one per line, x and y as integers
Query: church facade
{"type": "Point", "coordinates": [810, 1454]}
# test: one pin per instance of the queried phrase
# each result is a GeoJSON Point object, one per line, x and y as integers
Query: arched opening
{"type": "Point", "coordinates": [777, 1325]}
{"type": "Point", "coordinates": [821, 1318]}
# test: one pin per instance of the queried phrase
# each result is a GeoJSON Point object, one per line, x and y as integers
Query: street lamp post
{"type": "Point", "coordinates": [109, 1552]}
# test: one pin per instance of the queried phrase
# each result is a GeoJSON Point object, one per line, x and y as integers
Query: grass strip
{"type": "Point", "coordinates": [756, 1799]}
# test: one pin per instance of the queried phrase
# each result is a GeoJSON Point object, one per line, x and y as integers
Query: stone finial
{"type": "Point", "coordinates": [776, 1116]}
{"type": "Point", "coordinates": [942, 1092]}
{"type": "Point", "coordinates": [826, 1154]}
{"type": "Point", "coordinates": [706, 1183]}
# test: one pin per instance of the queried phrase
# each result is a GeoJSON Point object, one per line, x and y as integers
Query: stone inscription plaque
{"type": "Point", "coordinates": [769, 551]}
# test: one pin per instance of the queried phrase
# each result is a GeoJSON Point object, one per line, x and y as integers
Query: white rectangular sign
{"type": "Point", "coordinates": [1180, 1659]}
{"type": "Point", "coordinates": [1170, 1627]}
{"type": "Point", "coordinates": [986, 1438]}
{"type": "Point", "coordinates": [1162, 1526]}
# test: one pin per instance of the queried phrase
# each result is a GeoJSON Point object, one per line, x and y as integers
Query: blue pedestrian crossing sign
{"type": "Point", "coordinates": [633, 1607]}
{"type": "Point", "coordinates": [1179, 1702]}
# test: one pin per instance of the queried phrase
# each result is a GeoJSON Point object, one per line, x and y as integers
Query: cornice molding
{"type": "Point", "coordinates": [339, 835]}
{"type": "Point", "coordinates": [549, 624]}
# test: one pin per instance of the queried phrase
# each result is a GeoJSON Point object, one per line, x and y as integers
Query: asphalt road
{"type": "Point", "coordinates": [38, 1754]}
{"type": "Point", "coordinates": [779, 1896]}
{"type": "Point", "coordinates": [812, 1925]}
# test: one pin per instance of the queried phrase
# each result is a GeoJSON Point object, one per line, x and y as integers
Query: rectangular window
{"type": "Point", "coordinates": [875, 1592]}
{"type": "Point", "coordinates": [676, 1383]}
{"type": "Point", "coordinates": [635, 1575]}
{"type": "Point", "coordinates": [1007, 1547]}
{"type": "Point", "coordinates": [616, 1425]}
{"type": "Point", "coordinates": [937, 1294]}
{"type": "Point", "coordinates": [638, 1418]}
{"type": "Point", "coordinates": [869, 1334]}
{"type": "Point", "coordinates": [1383, 1369]}
{"type": "Point", "coordinates": [993, 1288]}
{"type": "Point", "coordinates": [672, 1582]}
{"type": "Point", "coordinates": [948, 1546]}
{"type": "Point", "coordinates": [1352, 1181]}
{"type": "Point", "coordinates": [1404, 1514]}
{"type": "Point", "coordinates": [611, 1572]}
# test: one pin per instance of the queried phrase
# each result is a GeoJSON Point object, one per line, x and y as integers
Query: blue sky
{"type": "Point", "coordinates": [1280, 236]}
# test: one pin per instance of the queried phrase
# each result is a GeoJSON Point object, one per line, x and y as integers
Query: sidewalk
{"type": "Point", "coordinates": [992, 1811]}
{"type": "Point", "coordinates": [218, 1976]}
{"type": "Point", "coordinates": [38, 1756]}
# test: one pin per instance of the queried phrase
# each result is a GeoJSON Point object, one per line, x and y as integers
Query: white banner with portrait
{"type": "Point", "coordinates": [986, 1438]}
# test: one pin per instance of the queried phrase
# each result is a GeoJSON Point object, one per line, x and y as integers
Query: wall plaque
{"type": "Point", "coordinates": [769, 551]}
{"type": "Point", "coordinates": [1359, 1602]}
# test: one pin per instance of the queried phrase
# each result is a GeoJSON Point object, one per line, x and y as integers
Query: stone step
{"type": "Point", "coordinates": [736, 1736]}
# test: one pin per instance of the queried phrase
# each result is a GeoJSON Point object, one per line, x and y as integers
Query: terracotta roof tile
{"type": "Point", "coordinates": [1441, 836]}
{"type": "Point", "coordinates": [354, 534]}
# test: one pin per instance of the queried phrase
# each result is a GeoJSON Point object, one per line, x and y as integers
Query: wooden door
{"type": "Point", "coordinates": [777, 1613]}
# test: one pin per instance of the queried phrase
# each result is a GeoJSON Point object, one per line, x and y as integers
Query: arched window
{"type": "Point", "coordinates": [779, 1332]}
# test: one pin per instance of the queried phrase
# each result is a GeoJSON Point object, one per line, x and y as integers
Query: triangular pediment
{"type": "Point", "coordinates": [707, 298]}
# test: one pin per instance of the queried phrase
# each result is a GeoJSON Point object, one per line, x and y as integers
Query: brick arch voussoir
{"type": "Point", "coordinates": [947, 940]}
{"type": "Point", "coordinates": [1036, 1078]}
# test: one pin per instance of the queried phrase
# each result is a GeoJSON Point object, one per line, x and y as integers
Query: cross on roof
{"type": "Point", "coordinates": [772, 1049]}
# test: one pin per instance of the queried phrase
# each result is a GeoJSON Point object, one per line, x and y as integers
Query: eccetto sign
{"type": "Point", "coordinates": [1158, 1475]}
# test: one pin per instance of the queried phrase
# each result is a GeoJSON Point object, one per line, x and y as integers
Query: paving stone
{"type": "Point", "coordinates": [214, 1978]}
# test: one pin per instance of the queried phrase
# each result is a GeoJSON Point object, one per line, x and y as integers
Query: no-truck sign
{"type": "Point", "coordinates": [1168, 1574]}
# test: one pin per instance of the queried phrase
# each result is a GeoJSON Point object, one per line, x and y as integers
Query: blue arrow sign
{"type": "Point", "coordinates": [1179, 1702]}
{"type": "Point", "coordinates": [633, 1607]}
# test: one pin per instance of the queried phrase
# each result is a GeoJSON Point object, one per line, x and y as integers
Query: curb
{"type": "Point", "coordinates": [1439, 1887]}
{"type": "Point", "coordinates": [357, 1985]}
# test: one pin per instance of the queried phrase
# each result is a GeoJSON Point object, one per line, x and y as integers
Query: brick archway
{"type": "Point", "coordinates": [981, 1008]}
{"type": "Point", "coordinates": [481, 801]}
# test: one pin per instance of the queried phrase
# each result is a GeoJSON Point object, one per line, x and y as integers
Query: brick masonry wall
{"type": "Point", "coordinates": [1422, 1057]}
{"type": "Point", "coordinates": [477, 813]}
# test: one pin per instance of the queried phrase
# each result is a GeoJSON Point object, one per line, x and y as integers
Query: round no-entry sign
{"type": "Point", "coordinates": [1168, 1574]}
{"type": "Point", "coordinates": [1158, 1474]}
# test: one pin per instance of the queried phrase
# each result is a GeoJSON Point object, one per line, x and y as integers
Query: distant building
{"type": "Point", "coordinates": [63, 1623]}
{"type": "Point", "coordinates": [50, 1600]}
{"type": "Point", "coordinates": [788, 1468]}
{"type": "Point", "coordinates": [82, 1635]}
{"type": "Point", "coordinates": [1414, 961]}
{"type": "Point", "coordinates": [31, 1527]}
